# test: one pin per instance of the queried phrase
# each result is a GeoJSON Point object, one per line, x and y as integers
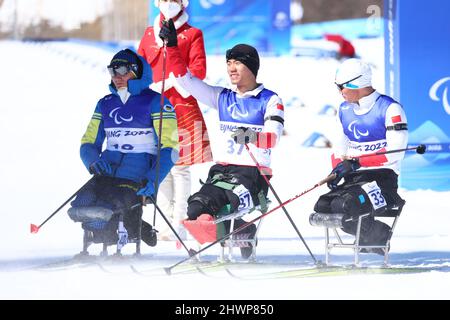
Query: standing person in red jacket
{"type": "Point", "coordinates": [193, 137]}
{"type": "Point", "coordinates": [346, 48]}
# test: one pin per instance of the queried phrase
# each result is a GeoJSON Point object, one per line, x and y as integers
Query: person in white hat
{"type": "Point", "coordinates": [194, 141]}
{"type": "Point", "coordinates": [368, 122]}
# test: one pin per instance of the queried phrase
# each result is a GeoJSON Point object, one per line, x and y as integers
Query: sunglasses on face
{"type": "Point", "coordinates": [347, 84]}
{"type": "Point", "coordinates": [121, 70]}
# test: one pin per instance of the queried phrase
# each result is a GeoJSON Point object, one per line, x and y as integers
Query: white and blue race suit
{"type": "Point", "coordinates": [130, 128]}
{"type": "Point", "coordinates": [364, 128]}
{"type": "Point", "coordinates": [259, 109]}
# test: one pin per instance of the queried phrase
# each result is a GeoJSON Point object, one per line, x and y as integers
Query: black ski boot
{"type": "Point", "coordinates": [148, 234]}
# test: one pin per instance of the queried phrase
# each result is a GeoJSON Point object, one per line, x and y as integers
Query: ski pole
{"type": "Point", "coordinates": [279, 201]}
{"type": "Point", "coordinates": [420, 149]}
{"type": "Point", "coordinates": [34, 228]}
{"type": "Point", "coordinates": [332, 176]}
{"type": "Point", "coordinates": [191, 252]}
{"type": "Point", "coordinates": [161, 106]}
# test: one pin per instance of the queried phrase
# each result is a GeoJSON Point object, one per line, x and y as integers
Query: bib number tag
{"type": "Point", "coordinates": [234, 148]}
{"type": "Point", "coordinates": [123, 236]}
{"type": "Point", "coordinates": [245, 198]}
{"type": "Point", "coordinates": [376, 197]}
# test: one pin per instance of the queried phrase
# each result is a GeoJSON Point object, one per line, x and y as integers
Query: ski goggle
{"type": "Point", "coordinates": [121, 70]}
{"type": "Point", "coordinates": [347, 84]}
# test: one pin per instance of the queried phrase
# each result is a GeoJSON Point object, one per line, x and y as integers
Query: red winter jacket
{"type": "Point", "coordinates": [191, 125]}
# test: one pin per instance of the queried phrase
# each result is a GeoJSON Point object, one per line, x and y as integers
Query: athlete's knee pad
{"type": "Point", "coordinates": [352, 202]}
{"type": "Point", "coordinates": [323, 204]}
{"type": "Point", "coordinates": [200, 203]}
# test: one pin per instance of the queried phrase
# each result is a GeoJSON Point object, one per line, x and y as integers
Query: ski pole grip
{"type": "Point", "coordinates": [327, 179]}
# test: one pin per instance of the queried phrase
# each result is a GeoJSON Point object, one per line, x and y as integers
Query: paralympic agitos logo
{"type": "Point", "coordinates": [118, 119]}
{"type": "Point", "coordinates": [434, 91]}
{"type": "Point", "coordinates": [356, 132]}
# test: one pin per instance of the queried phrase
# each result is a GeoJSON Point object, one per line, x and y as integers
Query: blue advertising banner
{"type": "Point", "coordinates": [264, 24]}
{"type": "Point", "coordinates": [418, 76]}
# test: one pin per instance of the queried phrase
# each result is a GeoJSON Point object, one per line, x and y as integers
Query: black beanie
{"type": "Point", "coordinates": [245, 54]}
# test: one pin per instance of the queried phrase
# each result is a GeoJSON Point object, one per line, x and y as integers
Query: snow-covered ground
{"type": "Point", "coordinates": [49, 91]}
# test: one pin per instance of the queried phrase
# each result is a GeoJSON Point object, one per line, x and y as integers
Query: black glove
{"type": "Point", "coordinates": [168, 33]}
{"type": "Point", "coordinates": [244, 135]}
{"type": "Point", "coordinates": [100, 167]}
{"type": "Point", "coordinates": [341, 170]}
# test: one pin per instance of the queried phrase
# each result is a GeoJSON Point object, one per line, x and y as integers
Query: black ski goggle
{"type": "Point", "coordinates": [122, 70]}
{"type": "Point", "coordinates": [347, 84]}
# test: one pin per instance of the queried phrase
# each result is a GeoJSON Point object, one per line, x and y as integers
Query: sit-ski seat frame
{"type": "Point", "coordinates": [235, 241]}
{"type": "Point", "coordinates": [88, 236]}
{"type": "Point", "coordinates": [226, 182]}
{"type": "Point", "coordinates": [333, 221]}
{"type": "Point", "coordinates": [87, 241]}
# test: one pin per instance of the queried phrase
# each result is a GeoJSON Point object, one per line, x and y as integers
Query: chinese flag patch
{"type": "Point", "coordinates": [396, 119]}
{"type": "Point", "coordinates": [280, 107]}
